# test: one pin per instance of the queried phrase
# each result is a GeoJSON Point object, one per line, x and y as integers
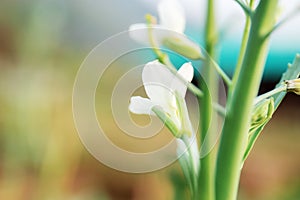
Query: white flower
{"type": "Point", "coordinates": [171, 15]}
{"type": "Point", "coordinates": [166, 92]}
{"type": "Point", "coordinates": [169, 31]}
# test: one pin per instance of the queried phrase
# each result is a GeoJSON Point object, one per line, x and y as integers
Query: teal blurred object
{"type": "Point", "coordinates": [276, 64]}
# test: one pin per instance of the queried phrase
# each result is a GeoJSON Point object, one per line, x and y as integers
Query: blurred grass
{"type": "Point", "coordinates": [41, 156]}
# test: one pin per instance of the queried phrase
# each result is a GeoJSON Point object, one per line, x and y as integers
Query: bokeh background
{"type": "Point", "coordinates": [42, 45]}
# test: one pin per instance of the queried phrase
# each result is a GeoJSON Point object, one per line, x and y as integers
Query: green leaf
{"type": "Point", "coordinates": [292, 72]}
{"type": "Point", "coordinates": [258, 122]}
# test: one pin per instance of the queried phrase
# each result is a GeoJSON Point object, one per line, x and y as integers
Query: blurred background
{"type": "Point", "coordinates": [42, 45]}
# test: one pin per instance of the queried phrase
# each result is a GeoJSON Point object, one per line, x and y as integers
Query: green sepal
{"type": "Point", "coordinates": [184, 161]}
{"type": "Point", "coordinates": [183, 114]}
{"type": "Point", "coordinates": [161, 114]}
{"type": "Point", "coordinates": [262, 112]}
{"type": "Point", "coordinates": [184, 47]}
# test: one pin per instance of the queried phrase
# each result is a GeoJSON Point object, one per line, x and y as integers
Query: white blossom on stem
{"type": "Point", "coordinates": [168, 32]}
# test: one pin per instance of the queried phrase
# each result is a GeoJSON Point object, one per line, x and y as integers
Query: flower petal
{"type": "Point", "coordinates": [139, 32]}
{"type": "Point", "coordinates": [186, 72]}
{"type": "Point", "coordinates": [140, 105]}
{"type": "Point", "coordinates": [171, 15]}
{"type": "Point", "coordinates": [157, 81]}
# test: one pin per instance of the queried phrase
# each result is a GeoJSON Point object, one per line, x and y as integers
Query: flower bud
{"type": "Point", "coordinates": [262, 112]}
{"type": "Point", "coordinates": [183, 46]}
{"type": "Point", "coordinates": [293, 86]}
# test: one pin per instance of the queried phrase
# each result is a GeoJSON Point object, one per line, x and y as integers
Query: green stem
{"type": "Point", "coordinates": [268, 94]}
{"type": "Point", "coordinates": [248, 11]}
{"type": "Point", "coordinates": [235, 130]}
{"type": "Point", "coordinates": [242, 49]}
{"type": "Point", "coordinates": [192, 158]}
{"type": "Point", "coordinates": [219, 109]}
{"type": "Point", "coordinates": [206, 178]}
{"type": "Point", "coordinates": [220, 71]}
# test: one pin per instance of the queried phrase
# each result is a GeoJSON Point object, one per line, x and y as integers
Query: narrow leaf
{"type": "Point", "coordinates": [292, 72]}
{"type": "Point", "coordinates": [261, 116]}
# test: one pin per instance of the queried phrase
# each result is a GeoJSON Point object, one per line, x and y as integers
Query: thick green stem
{"type": "Point", "coordinates": [239, 107]}
{"type": "Point", "coordinates": [206, 179]}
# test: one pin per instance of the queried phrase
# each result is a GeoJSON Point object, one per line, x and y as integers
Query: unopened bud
{"type": "Point", "coordinates": [184, 46]}
{"type": "Point", "coordinates": [262, 112]}
{"type": "Point", "coordinates": [293, 86]}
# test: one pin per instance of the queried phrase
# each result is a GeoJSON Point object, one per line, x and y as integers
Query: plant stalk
{"type": "Point", "coordinates": [206, 179]}
{"type": "Point", "coordinates": [242, 48]}
{"type": "Point", "coordinates": [239, 106]}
